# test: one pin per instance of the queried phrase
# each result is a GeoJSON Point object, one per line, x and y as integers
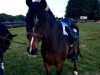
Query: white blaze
{"type": "Point", "coordinates": [36, 19]}
{"type": "Point", "coordinates": [30, 49]}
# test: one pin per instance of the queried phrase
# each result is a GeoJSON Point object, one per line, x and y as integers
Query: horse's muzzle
{"type": "Point", "coordinates": [32, 52]}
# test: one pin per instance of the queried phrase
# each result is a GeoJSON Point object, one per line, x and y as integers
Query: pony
{"type": "Point", "coordinates": [43, 26]}
{"type": "Point", "coordinates": [5, 41]}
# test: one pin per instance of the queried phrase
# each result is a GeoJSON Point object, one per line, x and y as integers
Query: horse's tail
{"type": "Point", "coordinates": [29, 3]}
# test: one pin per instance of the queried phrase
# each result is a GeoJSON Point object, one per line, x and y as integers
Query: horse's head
{"type": "Point", "coordinates": [5, 41]}
{"type": "Point", "coordinates": [36, 20]}
{"type": "Point", "coordinates": [5, 38]}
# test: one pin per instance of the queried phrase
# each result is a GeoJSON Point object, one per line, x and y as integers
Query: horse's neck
{"type": "Point", "coordinates": [53, 27]}
{"type": "Point", "coordinates": [54, 34]}
{"type": "Point", "coordinates": [52, 23]}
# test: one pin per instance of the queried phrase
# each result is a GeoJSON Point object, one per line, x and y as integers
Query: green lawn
{"type": "Point", "coordinates": [18, 62]}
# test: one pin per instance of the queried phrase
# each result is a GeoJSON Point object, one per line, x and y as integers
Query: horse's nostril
{"type": "Point", "coordinates": [32, 51]}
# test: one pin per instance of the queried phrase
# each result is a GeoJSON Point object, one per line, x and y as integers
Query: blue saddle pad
{"type": "Point", "coordinates": [68, 23]}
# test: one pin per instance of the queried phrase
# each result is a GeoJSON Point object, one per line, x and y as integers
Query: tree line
{"type": "Point", "coordinates": [74, 9]}
{"type": "Point", "coordinates": [9, 18]}
{"type": "Point", "coordinates": [89, 8]}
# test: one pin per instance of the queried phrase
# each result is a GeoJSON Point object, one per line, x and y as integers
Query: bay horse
{"type": "Point", "coordinates": [5, 41]}
{"type": "Point", "coordinates": [43, 26]}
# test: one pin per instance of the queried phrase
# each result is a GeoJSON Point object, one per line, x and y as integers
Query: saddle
{"type": "Point", "coordinates": [70, 31]}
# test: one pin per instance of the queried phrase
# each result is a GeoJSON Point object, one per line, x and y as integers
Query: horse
{"type": "Point", "coordinates": [41, 25]}
{"type": "Point", "coordinates": [5, 41]}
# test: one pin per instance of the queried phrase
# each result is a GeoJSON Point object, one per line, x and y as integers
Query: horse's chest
{"type": "Point", "coordinates": [52, 59]}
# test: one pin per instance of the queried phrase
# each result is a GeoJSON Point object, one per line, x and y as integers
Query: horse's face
{"type": "Point", "coordinates": [36, 20]}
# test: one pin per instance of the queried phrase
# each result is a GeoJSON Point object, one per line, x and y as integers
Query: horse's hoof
{"type": "Point", "coordinates": [75, 73]}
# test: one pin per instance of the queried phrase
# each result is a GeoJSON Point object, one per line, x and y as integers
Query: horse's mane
{"type": "Point", "coordinates": [51, 14]}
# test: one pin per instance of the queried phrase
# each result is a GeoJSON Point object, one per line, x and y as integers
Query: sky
{"type": "Point", "coordinates": [19, 7]}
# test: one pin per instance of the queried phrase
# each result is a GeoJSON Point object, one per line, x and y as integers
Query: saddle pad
{"type": "Point", "coordinates": [67, 25]}
{"type": "Point", "coordinates": [72, 30]}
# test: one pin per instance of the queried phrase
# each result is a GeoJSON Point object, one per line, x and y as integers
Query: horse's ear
{"type": "Point", "coordinates": [44, 5]}
{"type": "Point", "coordinates": [29, 3]}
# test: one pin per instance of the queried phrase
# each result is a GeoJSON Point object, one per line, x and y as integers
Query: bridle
{"type": "Point", "coordinates": [35, 34]}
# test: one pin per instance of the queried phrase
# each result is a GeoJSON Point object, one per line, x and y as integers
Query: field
{"type": "Point", "coordinates": [18, 62]}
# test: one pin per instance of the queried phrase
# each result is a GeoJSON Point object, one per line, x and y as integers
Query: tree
{"type": "Point", "coordinates": [77, 8]}
{"type": "Point", "coordinates": [4, 17]}
{"type": "Point", "coordinates": [19, 18]}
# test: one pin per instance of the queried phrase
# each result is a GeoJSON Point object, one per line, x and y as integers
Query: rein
{"type": "Point", "coordinates": [5, 38]}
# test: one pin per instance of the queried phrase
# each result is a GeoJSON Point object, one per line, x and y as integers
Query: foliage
{"type": "Point", "coordinates": [9, 18]}
{"type": "Point", "coordinates": [18, 62]}
{"type": "Point", "coordinates": [77, 8]}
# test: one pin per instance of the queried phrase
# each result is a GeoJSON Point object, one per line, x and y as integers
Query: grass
{"type": "Point", "coordinates": [18, 62]}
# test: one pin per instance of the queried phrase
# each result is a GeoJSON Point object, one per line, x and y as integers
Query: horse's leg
{"type": "Point", "coordinates": [48, 68]}
{"type": "Point", "coordinates": [74, 60]}
{"type": "Point", "coordinates": [59, 68]}
{"type": "Point", "coordinates": [75, 68]}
